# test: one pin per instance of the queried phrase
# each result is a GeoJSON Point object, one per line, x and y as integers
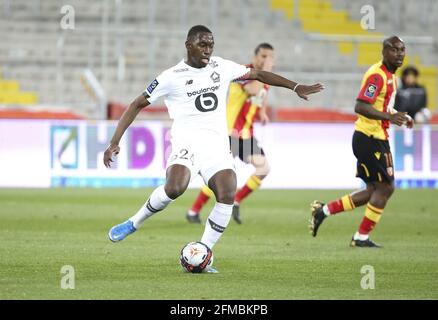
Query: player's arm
{"type": "Point", "coordinates": [409, 122]}
{"type": "Point", "coordinates": [370, 90]}
{"type": "Point", "coordinates": [367, 110]}
{"type": "Point", "coordinates": [125, 121]}
{"type": "Point", "coordinates": [253, 87]}
{"type": "Point", "coordinates": [276, 80]}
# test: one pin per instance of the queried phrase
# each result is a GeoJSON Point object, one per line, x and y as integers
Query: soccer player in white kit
{"type": "Point", "coordinates": [195, 93]}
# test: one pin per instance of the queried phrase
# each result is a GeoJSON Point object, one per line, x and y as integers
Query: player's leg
{"type": "Point", "coordinates": [250, 152]}
{"type": "Point", "coordinates": [375, 168]}
{"type": "Point", "coordinates": [345, 203]}
{"type": "Point", "coordinates": [361, 149]}
{"type": "Point", "coordinates": [223, 183]}
{"type": "Point", "coordinates": [373, 213]}
{"type": "Point", "coordinates": [218, 171]}
{"type": "Point", "coordinates": [375, 165]}
{"type": "Point", "coordinates": [348, 202]}
{"type": "Point", "coordinates": [261, 165]}
{"type": "Point", "coordinates": [204, 195]}
{"type": "Point", "coordinates": [177, 180]}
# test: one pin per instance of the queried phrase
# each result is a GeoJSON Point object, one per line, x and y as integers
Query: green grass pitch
{"type": "Point", "coordinates": [270, 256]}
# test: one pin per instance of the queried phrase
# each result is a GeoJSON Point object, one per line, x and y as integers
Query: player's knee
{"type": "Point", "coordinates": [175, 190]}
{"type": "Point", "coordinates": [369, 190]}
{"type": "Point", "coordinates": [386, 189]}
{"type": "Point", "coordinates": [262, 168]}
{"type": "Point", "coordinates": [226, 196]}
{"type": "Point", "coordinates": [390, 189]}
{"type": "Point", "coordinates": [265, 170]}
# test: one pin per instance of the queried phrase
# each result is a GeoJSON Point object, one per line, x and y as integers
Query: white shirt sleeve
{"type": "Point", "coordinates": [159, 87]}
{"type": "Point", "coordinates": [235, 71]}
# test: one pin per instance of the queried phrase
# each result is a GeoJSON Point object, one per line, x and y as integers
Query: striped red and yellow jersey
{"type": "Point", "coordinates": [378, 88]}
{"type": "Point", "coordinates": [241, 111]}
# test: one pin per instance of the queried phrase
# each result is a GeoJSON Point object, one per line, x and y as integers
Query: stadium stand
{"type": "Point", "coordinates": [127, 43]}
{"type": "Point", "coordinates": [10, 93]}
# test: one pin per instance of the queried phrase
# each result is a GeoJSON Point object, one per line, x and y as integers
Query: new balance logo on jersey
{"type": "Point", "coordinates": [181, 70]}
{"type": "Point", "coordinates": [215, 77]}
{"type": "Point", "coordinates": [203, 90]}
{"type": "Point", "coordinates": [189, 82]}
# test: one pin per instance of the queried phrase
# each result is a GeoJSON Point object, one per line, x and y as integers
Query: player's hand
{"type": "Point", "coordinates": [303, 91]}
{"type": "Point", "coordinates": [409, 122]}
{"type": "Point", "coordinates": [264, 119]}
{"type": "Point", "coordinates": [398, 118]}
{"type": "Point", "coordinates": [110, 152]}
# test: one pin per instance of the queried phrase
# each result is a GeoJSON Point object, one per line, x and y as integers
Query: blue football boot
{"type": "Point", "coordinates": [121, 231]}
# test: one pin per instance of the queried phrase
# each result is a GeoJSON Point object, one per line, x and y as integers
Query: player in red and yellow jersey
{"type": "Point", "coordinates": [375, 109]}
{"type": "Point", "coordinates": [246, 102]}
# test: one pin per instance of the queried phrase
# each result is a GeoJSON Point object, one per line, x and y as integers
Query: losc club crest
{"type": "Point", "coordinates": [215, 77]}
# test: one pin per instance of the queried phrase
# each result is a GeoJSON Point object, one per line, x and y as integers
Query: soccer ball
{"type": "Point", "coordinates": [195, 257]}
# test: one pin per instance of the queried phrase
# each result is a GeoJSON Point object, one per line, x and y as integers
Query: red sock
{"type": "Point", "coordinates": [200, 201]}
{"type": "Point", "coordinates": [253, 183]}
{"type": "Point", "coordinates": [242, 193]}
{"type": "Point", "coordinates": [335, 206]}
{"type": "Point", "coordinates": [371, 218]}
{"type": "Point", "coordinates": [343, 204]}
{"type": "Point", "coordinates": [366, 226]}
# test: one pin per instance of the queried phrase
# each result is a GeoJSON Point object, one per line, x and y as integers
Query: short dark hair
{"type": "Point", "coordinates": [410, 69]}
{"type": "Point", "coordinates": [387, 43]}
{"type": "Point", "coordinates": [197, 29]}
{"type": "Point", "coordinates": [263, 45]}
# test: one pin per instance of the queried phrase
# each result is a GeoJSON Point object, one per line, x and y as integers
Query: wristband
{"type": "Point", "coordinates": [296, 86]}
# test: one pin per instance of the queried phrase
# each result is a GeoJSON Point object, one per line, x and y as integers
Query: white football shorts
{"type": "Point", "coordinates": [205, 156]}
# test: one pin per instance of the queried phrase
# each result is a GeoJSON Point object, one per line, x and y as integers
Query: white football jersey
{"type": "Point", "coordinates": [196, 97]}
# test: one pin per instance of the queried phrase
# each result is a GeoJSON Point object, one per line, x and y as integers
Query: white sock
{"type": "Point", "coordinates": [326, 210]}
{"type": "Point", "coordinates": [157, 201]}
{"type": "Point", "coordinates": [358, 236]}
{"type": "Point", "coordinates": [217, 222]}
{"type": "Point", "coordinates": [192, 213]}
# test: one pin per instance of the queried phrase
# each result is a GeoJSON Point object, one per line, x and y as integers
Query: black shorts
{"type": "Point", "coordinates": [374, 158]}
{"type": "Point", "coordinates": [243, 148]}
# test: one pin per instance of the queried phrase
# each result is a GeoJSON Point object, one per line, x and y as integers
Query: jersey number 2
{"type": "Point", "coordinates": [183, 155]}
